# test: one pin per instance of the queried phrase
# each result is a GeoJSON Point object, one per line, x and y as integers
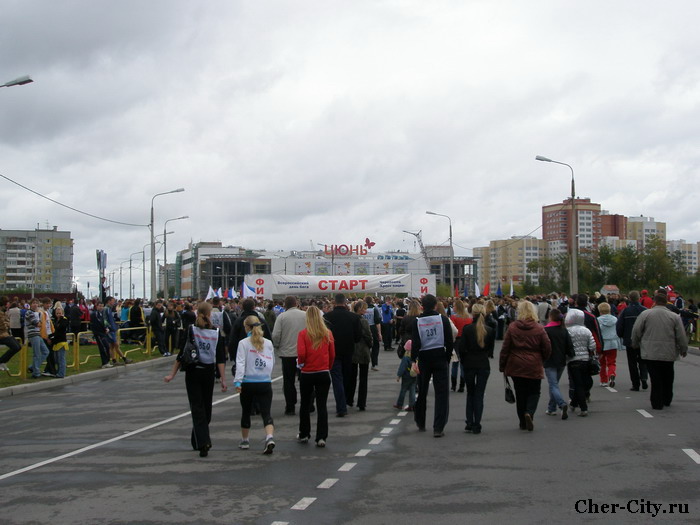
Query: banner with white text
{"type": "Point", "coordinates": [414, 285]}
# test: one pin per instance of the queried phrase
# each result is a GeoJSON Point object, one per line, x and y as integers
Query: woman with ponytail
{"type": "Point", "coordinates": [315, 356]}
{"type": "Point", "coordinates": [255, 358]}
{"type": "Point", "coordinates": [475, 346]}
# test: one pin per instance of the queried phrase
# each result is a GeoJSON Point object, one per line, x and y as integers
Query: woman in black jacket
{"type": "Point", "coordinates": [562, 346]}
{"type": "Point", "coordinates": [475, 346]}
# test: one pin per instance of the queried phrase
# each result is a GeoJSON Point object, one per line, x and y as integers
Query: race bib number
{"type": "Point", "coordinates": [431, 332]}
{"type": "Point", "coordinates": [206, 341]}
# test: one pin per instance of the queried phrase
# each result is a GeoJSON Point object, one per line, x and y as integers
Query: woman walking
{"type": "Point", "coordinates": [199, 377]}
{"type": "Point", "coordinates": [315, 356]}
{"type": "Point", "coordinates": [562, 347]}
{"type": "Point", "coordinates": [361, 358]}
{"type": "Point", "coordinates": [584, 347]}
{"type": "Point", "coordinates": [460, 319]}
{"type": "Point", "coordinates": [525, 348]}
{"type": "Point", "coordinates": [255, 359]}
{"type": "Point", "coordinates": [474, 347]}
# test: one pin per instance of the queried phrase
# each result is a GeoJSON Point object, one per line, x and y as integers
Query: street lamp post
{"type": "Point", "coordinates": [165, 254]}
{"type": "Point", "coordinates": [573, 277]}
{"type": "Point", "coordinates": [21, 81]}
{"type": "Point", "coordinates": [452, 259]}
{"type": "Point", "coordinates": [153, 244]}
{"type": "Point", "coordinates": [131, 286]}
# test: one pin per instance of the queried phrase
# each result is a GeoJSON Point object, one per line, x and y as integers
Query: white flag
{"type": "Point", "coordinates": [248, 291]}
{"type": "Point", "coordinates": [210, 294]}
{"type": "Point", "coordinates": [219, 292]}
{"type": "Point", "coordinates": [477, 292]}
{"type": "Point", "coordinates": [511, 288]}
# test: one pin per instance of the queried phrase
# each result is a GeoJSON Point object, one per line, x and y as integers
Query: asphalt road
{"type": "Point", "coordinates": [116, 450]}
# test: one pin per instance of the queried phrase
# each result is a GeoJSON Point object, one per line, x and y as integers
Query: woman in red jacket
{"type": "Point", "coordinates": [315, 356]}
{"type": "Point", "coordinates": [525, 348]}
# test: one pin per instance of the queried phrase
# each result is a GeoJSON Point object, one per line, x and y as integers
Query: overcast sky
{"type": "Point", "coordinates": [328, 121]}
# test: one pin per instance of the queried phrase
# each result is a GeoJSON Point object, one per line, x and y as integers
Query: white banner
{"type": "Point", "coordinates": [414, 285]}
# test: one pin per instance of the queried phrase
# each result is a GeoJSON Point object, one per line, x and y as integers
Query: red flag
{"type": "Point", "coordinates": [487, 289]}
{"type": "Point", "coordinates": [456, 291]}
{"type": "Point", "coordinates": [226, 294]}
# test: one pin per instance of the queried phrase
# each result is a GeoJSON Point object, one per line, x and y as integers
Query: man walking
{"type": "Point", "coordinates": [432, 347]}
{"type": "Point", "coordinates": [346, 329]}
{"type": "Point", "coordinates": [660, 336]}
{"type": "Point", "coordinates": [624, 326]}
{"type": "Point", "coordinates": [289, 323]}
{"type": "Point", "coordinates": [387, 323]}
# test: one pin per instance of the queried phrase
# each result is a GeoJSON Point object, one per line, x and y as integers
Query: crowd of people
{"type": "Point", "coordinates": [323, 345]}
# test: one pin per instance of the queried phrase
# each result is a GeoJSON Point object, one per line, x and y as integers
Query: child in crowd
{"type": "Point", "coordinates": [407, 376]}
{"type": "Point", "coordinates": [59, 340]}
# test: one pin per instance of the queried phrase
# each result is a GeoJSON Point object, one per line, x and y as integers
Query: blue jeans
{"type": "Point", "coordinates": [341, 375]}
{"type": "Point", "coordinates": [41, 352]}
{"type": "Point", "coordinates": [553, 376]}
{"type": "Point", "coordinates": [476, 379]}
{"type": "Point", "coordinates": [408, 385]}
{"type": "Point", "coordinates": [456, 365]}
{"type": "Point", "coordinates": [60, 356]}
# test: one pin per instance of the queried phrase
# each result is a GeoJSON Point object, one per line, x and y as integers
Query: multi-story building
{"type": "Point", "coordinates": [688, 254]}
{"type": "Point", "coordinates": [616, 243]}
{"type": "Point", "coordinates": [613, 225]}
{"type": "Point", "coordinates": [38, 259]}
{"type": "Point", "coordinates": [207, 264]}
{"type": "Point", "coordinates": [556, 225]}
{"type": "Point", "coordinates": [641, 228]}
{"type": "Point", "coordinates": [505, 260]}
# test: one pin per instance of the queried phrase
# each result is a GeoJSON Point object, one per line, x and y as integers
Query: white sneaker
{"type": "Point", "coordinates": [550, 413]}
{"type": "Point", "coordinates": [321, 443]}
{"type": "Point", "coordinates": [603, 384]}
{"type": "Point", "coordinates": [108, 365]}
{"type": "Point", "coordinates": [3, 367]}
{"type": "Point", "coordinates": [303, 440]}
{"type": "Point", "coordinates": [269, 446]}
{"type": "Point", "coordinates": [244, 444]}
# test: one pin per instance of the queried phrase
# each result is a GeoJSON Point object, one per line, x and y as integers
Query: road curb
{"type": "Point", "coordinates": [79, 378]}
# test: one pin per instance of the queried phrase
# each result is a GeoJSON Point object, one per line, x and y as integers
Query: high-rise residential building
{"type": "Point", "coordinates": [641, 228]}
{"type": "Point", "coordinates": [556, 224]}
{"type": "Point", "coordinates": [616, 243]}
{"type": "Point", "coordinates": [507, 259]}
{"type": "Point", "coordinates": [613, 225]}
{"type": "Point", "coordinates": [38, 259]}
{"type": "Point", "coordinates": [688, 254]}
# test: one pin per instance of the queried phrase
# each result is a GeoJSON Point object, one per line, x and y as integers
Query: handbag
{"type": "Point", "coordinates": [510, 395]}
{"type": "Point", "coordinates": [189, 356]}
{"type": "Point", "coordinates": [593, 364]}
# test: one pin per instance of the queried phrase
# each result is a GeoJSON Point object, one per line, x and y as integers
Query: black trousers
{"type": "Point", "coordinates": [662, 375]}
{"type": "Point", "coordinates": [18, 332]}
{"type": "Point", "coordinates": [579, 377]}
{"type": "Point", "coordinates": [13, 347]}
{"type": "Point", "coordinates": [159, 336]}
{"type": "Point", "coordinates": [527, 395]}
{"type": "Point", "coordinates": [318, 383]}
{"type": "Point", "coordinates": [387, 332]}
{"type": "Point", "coordinates": [200, 391]}
{"type": "Point", "coordinates": [375, 345]}
{"type": "Point", "coordinates": [171, 340]}
{"type": "Point", "coordinates": [289, 377]}
{"type": "Point", "coordinates": [637, 366]}
{"type": "Point", "coordinates": [358, 372]}
{"type": "Point", "coordinates": [260, 393]}
{"type": "Point", "coordinates": [437, 368]}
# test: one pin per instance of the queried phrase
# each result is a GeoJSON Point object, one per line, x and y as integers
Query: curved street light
{"type": "Point", "coordinates": [165, 254]}
{"type": "Point", "coordinates": [153, 243]}
{"type": "Point", "coordinates": [573, 277]}
{"type": "Point", "coordinates": [20, 81]}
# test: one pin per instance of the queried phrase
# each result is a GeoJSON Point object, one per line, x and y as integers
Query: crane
{"type": "Point", "coordinates": [419, 237]}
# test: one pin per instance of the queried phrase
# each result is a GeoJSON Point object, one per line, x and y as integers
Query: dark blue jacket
{"type": "Point", "coordinates": [626, 321]}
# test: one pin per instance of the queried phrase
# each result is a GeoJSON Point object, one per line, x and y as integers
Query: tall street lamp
{"type": "Point", "coordinates": [573, 268]}
{"type": "Point", "coordinates": [165, 254]}
{"type": "Point", "coordinates": [452, 259]}
{"type": "Point", "coordinates": [131, 287]}
{"type": "Point", "coordinates": [153, 244]}
{"type": "Point", "coordinates": [21, 81]}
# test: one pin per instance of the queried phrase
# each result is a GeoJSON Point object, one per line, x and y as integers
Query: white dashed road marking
{"type": "Point", "coordinates": [386, 430]}
{"type": "Point", "coordinates": [644, 413]}
{"type": "Point", "coordinates": [363, 452]}
{"type": "Point", "coordinates": [303, 503]}
{"type": "Point", "coordinates": [328, 483]}
{"type": "Point", "coordinates": [376, 441]}
{"type": "Point", "coordinates": [401, 414]}
{"type": "Point", "coordinates": [394, 421]}
{"type": "Point", "coordinates": [347, 467]}
{"type": "Point", "coordinates": [693, 455]}
{"type": "Point", "coordinates": [280, 523]}
{"type": "Point", "coordinates": [611, 389]}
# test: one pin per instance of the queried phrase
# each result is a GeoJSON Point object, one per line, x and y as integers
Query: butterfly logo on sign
{"type": "Point", "coordinates": [369, 244]}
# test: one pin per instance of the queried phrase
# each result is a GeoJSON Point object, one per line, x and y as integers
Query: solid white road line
{"type": "Point", "coordinates": [376, 441]}
{"type": "Point", "coordinates": [303, 503]}
{"type": "Point", "coordinates": [693, 455]}
{"type": "Point", "coordinates": [280, 523]}
{"type": "Point", "coordinates": [610, 389]}
{"type": "Point", "coordinates": [386, 430]}
{"type": "Point", "coordinates": [347, 467]}
{"type": "Point", "coordinates": [644, 413]}
{"type": "Point", "coordinates": [112, 440]}
{"type": "Point", "coordinates": [328, 483]}
{"type": "Point", "coordinates": [363, 452]}
{"type": "Point", "coordinates": [394, 421]}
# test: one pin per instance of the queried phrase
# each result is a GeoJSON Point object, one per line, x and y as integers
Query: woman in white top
{"type": "Point", "coordinates": [255, 358]}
